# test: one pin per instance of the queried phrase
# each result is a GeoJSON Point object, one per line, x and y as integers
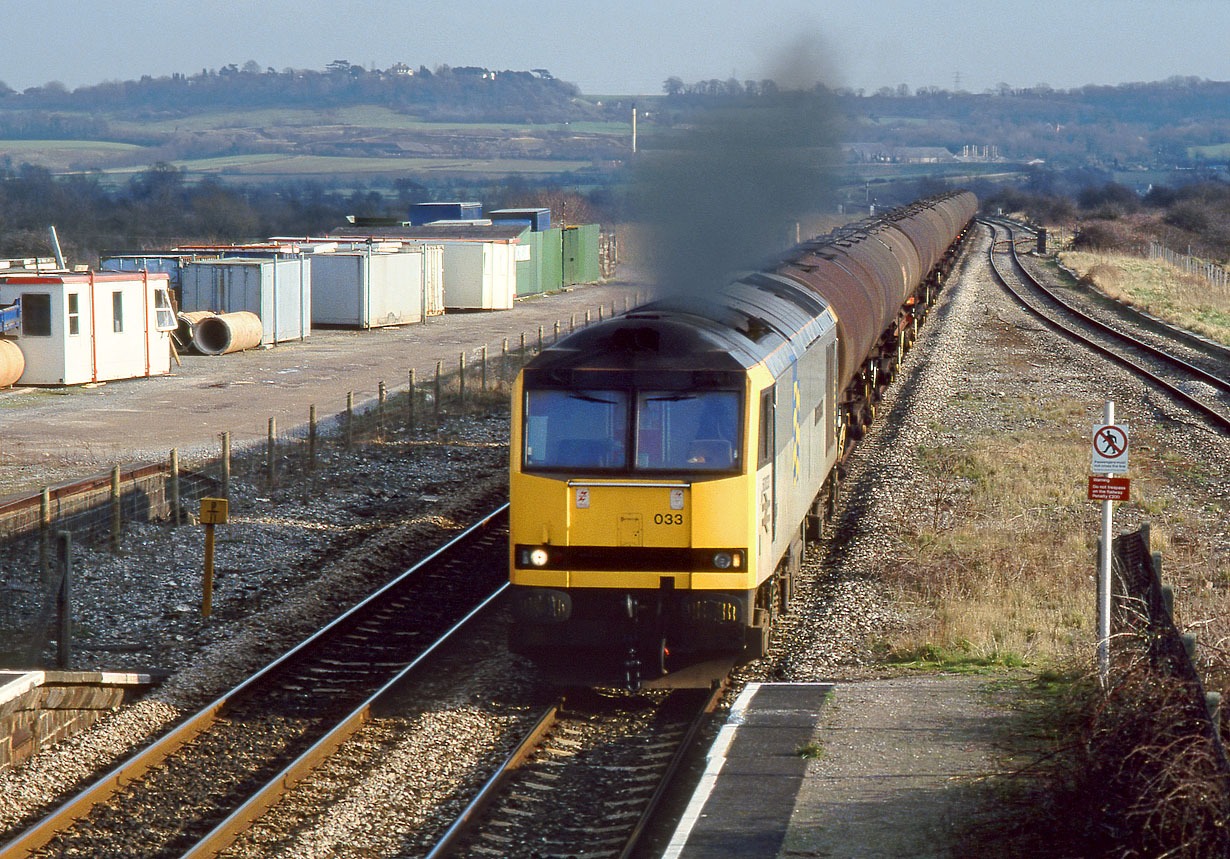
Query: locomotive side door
{"type": "Point", "coordinates": [766, 473]}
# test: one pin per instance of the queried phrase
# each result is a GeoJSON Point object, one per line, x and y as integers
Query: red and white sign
{"type": "Point", "coordinates": [1110, 448]}
{"type": "Point", "coordinates": [1105, 488]}
{"type": "Point", "coordinates": [582, 498]}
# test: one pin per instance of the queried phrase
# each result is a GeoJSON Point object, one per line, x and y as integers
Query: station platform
{"type": "Point", "coordinates": [866, 769]}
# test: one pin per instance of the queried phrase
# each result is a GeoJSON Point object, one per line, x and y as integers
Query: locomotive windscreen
{"type": "Point", "coordinates": [614, 431]}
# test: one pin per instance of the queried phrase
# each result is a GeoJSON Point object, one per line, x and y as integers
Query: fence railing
{"type": "Point", "coordinates": [1210, 271]}
{"type": "Point", "coordinates": [1142, 622]}
{"type": "Point", "coordinates": [96, 509]}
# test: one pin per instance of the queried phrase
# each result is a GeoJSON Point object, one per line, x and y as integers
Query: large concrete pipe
{"type": "Point", "coordinates": [12, 363]}
{"type": "Point", "coordinates": [187, 321]}
{"type": "Point", "coordinates": [228, 332]}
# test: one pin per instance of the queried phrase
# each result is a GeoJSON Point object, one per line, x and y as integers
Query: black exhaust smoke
{"type": "Point", "coordinates": [725, 193]}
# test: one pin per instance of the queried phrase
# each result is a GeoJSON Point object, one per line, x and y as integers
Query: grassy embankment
{"type": "Point", "coordinates": [1158, 287]}
{"type": "Point", "coordinates": [998, 555]}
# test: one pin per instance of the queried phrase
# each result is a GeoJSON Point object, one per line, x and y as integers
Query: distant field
{"type": "Point", "coordinates": [273, 166]}
{"type": "Point", "coordinates": [361, 116]}
{"type": "Point", "coordinates": [67, 155]}
{"type": "Point", "coordinates": [1215, 152]}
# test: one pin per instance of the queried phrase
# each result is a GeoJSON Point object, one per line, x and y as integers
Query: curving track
{"type": "Point", "coordinates": [586, 779]}
{"type": "Point", "coordinates": [1193, 386]}
{"type": "Point", "coordinates": [195, 790]}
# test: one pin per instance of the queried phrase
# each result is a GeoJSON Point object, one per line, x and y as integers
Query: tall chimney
{"type": "Point", "coordinates": [634, 129]}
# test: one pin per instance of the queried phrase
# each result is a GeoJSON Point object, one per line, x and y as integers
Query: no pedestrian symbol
{"type": "Point", "coordinates": [1110, 448]}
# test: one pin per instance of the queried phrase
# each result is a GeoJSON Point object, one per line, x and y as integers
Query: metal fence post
{"type": "Point", "coordinates": [312, 437]}
{"type": "Point", "coordinates": [64, 600]}
{"type": "Point", "coordinates": [175, 517]}
{"type": "Point", "coordinates": [271, 454]}
{"type": "Point", "coordinates": [410, 405]}
{"type": "Point", "coordinates": [349, 419]}
{"type": "Point", "coordinates": [117, 518]}
{"type": "Point", "coordinates": [226, 464]}
{"type": "Point", "coordinates": [381, 392]}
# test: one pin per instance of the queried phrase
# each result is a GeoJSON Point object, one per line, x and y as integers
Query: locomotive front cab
{"type": "Point", "coordinates": [632, 516]}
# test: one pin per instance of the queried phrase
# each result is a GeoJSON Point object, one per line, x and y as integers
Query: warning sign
{"type": "Point", "coordinates": [1110, 448]}
{"type": "Point", "coordinates": [1103, 488]}
{"type": "Point", "coordinates": [213, 511]}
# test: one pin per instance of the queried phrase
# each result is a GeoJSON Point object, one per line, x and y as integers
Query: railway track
{"type": "Point", "coordinates": [1193, 386]}
{"type": "Point", "coordinates": [584, 781]}
{"type": "Point", "coordinates": [199, 787]}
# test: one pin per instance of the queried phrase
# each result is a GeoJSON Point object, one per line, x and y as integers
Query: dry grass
{"type": "Point", "coordinates": [1158, 287]}
{"type": "Point", "coordinates": [995, 558]}
{"type": "Point", "coordinates": [998, 554]}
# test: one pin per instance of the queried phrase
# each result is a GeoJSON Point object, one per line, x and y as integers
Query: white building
{"type": "Point", "coordinates": [91, 326]}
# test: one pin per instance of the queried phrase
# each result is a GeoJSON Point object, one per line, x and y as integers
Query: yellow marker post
{"type": "Point", "coordinates": [213, 512]}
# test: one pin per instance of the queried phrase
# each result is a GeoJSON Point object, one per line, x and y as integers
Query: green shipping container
{"type": "Point", "coordinates": [552, 276]}
{"type": "Point", "coordinates": [529, 263]}
{"type": "Point", "coordinates": [581, 254]}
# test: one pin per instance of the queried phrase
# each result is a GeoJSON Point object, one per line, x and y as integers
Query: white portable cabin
{"type": "Point", "coordinates": [480, 265]}
{"type": "Point", "coordinates": [279, 291]}
{"type": "Point", "coordinates": [79, 327]}
{"type": "Point", "coordinates": [367, 288]}
{"type": "Point", "coordinates": [479, 275]}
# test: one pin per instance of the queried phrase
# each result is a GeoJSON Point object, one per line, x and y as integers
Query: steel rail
{"type": "Point", "coordinates": [1221, 421]}
{"type": "Point", "coordinates": [228, 831]}
{"type": "Point", "coordinates": [469, 816]}
{"type": "Point", "coordinates": [145, 760]}
{"type": "Point", "coordinates": [677, 761]}
{"type": "Point", "coordinates": [1161, 354]}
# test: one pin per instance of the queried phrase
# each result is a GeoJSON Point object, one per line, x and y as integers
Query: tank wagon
{"type": "Point", "coordinates": [668, 464]}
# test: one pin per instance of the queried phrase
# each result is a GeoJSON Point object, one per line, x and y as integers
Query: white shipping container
{"type": "Point", "coordinates": [367, 290]}
{"type": "Point", "coordinates": [479, 275]}
{"type": "Point", "coordinates": [278, 291]}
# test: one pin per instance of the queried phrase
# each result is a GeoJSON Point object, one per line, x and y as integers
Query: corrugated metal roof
{"type": "Point", "coordinates": [493, 233]}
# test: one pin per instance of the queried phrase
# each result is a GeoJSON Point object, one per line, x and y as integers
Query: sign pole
{"type": "Point", "coordinates": [1108, 419]}
{"type": "Point", "coordinates": [213, 512]}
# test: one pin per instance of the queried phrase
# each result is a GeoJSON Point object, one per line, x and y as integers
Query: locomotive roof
{"type": "Point", "coordinates": [759, 318]}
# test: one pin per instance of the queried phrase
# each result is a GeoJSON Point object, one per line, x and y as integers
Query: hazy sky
{"type": "Point", "coordinates": [630, 46]}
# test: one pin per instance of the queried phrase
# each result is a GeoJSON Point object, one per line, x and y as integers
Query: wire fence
{"type": "Point", "coordinates": [1143, 625]}
{"type": "Point", "coordinates": [1210, 271]}
{"type": "Point", "coordinates": [96, 510]}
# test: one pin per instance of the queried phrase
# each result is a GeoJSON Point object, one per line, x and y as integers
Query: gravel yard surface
{"type": "Point", "coordinates": [301, 553]}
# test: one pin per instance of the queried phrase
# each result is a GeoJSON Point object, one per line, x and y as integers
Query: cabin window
{"type": "Point", "coordinates": [117, 312]}
{"type": "Point", "coordinates": [576, 429]}
{"type": "Point", "coordinates": [164, 315]}
{"type": "Point", "coordinates": [74, 314]}
{"type": "Point", "coordinates": [767, 425]}
{"type": "Point", "coordinates": [687, 431]}
{"type": "Point", "coordinates": [35, 314]}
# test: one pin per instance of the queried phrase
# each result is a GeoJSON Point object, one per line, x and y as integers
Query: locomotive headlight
{"type": "Point", "coordinates": [538, 557]}
{"type": "Point", "coordinates": [723, 560]}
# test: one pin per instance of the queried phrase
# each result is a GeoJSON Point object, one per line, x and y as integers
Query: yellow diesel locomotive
{"type": "Point", "coordinates": [668, 464]}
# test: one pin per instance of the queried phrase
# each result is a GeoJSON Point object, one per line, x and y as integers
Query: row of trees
{"type": "Point", "coordinates": [466, 92]}
{"type": "Point", "coordinates": [1195, 215]}
{"type": "Point", "coordinates": [1149, 124]}
{"type": "Point", "coordinates": [158, 208]}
